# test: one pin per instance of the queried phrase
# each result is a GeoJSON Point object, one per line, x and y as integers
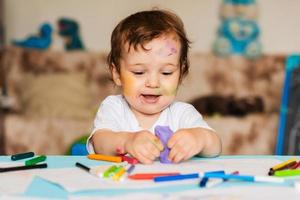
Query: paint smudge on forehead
{"type": "Point", "coordinates": [167, 50]}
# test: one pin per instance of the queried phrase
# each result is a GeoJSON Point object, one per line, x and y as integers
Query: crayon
{"type": "Point", "coordinates": [35, 160]}
{"type": "Point", "coordinates": [130, 169]}
{"type": "Point", "coordinates": [205, 180]}
{"type": "Point", "coordinates": [176, 177]}
{"type": "Point", "coordinates": [20, 156]}
{"type": "Point", "coordinates": [287, 172]}
{"type": "Point", "coordinates": [214, 181]}
{"type": "Point", "coordinates": [107, 173]}
{"type": "Point", "coordinates": [295, 166]}
{"type": "Point", "coordinates": [149, 176]}
{"type": "Point", "coordinates": [280, 165]}
{"type": "Point", "coordinates": [77, 164]}
{"type": "Point", "coordinates": [287, 166]}
{"type": "Point", "coordinates": [17, 168]}
{"type": "Point", "coordinates": [264, 179]}
{"type": "Point", "coordinates": [130, 160]}
{"type": "Point", "coordinates": [105, 158]}
{"type": "Point", "coordinates": [119, 174]}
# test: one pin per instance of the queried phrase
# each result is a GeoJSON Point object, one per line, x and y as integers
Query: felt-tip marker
{"type": "Point", "coordinates": [20, 156]}
{"type": "Point", "coordinates": [17, 168]}
{"type": "Point", "coordinates": [35, 160]}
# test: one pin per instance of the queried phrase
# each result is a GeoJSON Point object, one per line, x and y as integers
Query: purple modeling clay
{"type": "Point", "coordinates": [164, 133]}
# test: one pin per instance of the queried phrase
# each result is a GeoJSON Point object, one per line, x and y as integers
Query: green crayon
{"type": "Point", "coordinates": [35, 160]}
{"type": "Point", "coordinates": [287, 172]}
{"type": "Point", "coordinates": [108, 172]}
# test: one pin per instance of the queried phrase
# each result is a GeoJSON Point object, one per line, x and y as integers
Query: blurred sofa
{"type": "Point", "coordinates": [54, 97]}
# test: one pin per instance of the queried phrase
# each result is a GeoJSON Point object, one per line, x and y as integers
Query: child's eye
{"type": "Point", "coordinates": [138, 73]}
{"type": "Point", "coordinates": [167, 73]}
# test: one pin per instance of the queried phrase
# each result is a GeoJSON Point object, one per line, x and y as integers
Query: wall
{"type": "Point", "coordinates": [279, 20]}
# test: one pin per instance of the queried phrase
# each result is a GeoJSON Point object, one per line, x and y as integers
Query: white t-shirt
{"type": "Point", "coordinates": [114, 114]}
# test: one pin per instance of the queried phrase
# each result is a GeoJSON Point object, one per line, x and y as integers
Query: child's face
{"type": "Point", "coordinates": [149, 79]}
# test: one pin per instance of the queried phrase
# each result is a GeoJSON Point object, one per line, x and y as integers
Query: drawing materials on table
{"type": "Point", "coordinates": [35, 160]}
{"type": "Point", "coordinates": [282, 165]}
{"type": "Point", "coordinates": [221, 176]}
{"type": "Point", "coordinates": [118, 175]}
{"type": "Point", "coordinates": [150, 176]}
{"type": "Point", "coordinates": [287, 172]}
{"type": "Point", "coordinates": [107, 173]}
{"type": "Point", "coordinates": [20, 156]}
{"type": "Point", "coordinates": [264, 179]}
{"type": "Point", "coordinates": [183, 176]}
{"type": "Point", "coordinates": [130, 160]}
{"type": "Point", "coordinates": [176, 177]}
{"type": "Point", "coordinates": [86, 168]}
{"type": "Point", "coordinates": [297, 165]}
{"type": "Point", "coordinates": [130, 169]}
{"type": "Point", "coordinates": [17, 168]}
{"type": "Point", "coordinates": [287, 166]}
{"type": "Point", "coordinates": [216, 181]}
{"type": "Point", "coordinates": [117, 159]}
{"type": "Point", "coordinates": [203, 182]}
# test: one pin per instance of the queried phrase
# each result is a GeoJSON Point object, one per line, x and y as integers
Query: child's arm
{"type": "Point", "coordinates": [142, 145]}
{"type": "Point", "coordinates": [185, 143]}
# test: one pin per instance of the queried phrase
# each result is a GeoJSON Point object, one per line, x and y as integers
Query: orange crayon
{"type": "Point", "coordinates": [105, 158]}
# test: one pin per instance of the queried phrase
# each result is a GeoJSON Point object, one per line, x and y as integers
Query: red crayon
{"type": "Point", "coordinates": [149, 176]}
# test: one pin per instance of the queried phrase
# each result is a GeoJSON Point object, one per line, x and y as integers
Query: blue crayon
{"type": "Point", "coordinates": [183, 176]}
{"type": "Point", "coordinates": [204, 180]}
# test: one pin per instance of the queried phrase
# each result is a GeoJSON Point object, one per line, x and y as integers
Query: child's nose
{"type": "Point", "coordinates": [152, 81]}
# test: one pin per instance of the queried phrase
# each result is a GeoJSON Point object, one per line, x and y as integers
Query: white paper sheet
{"type": "Point", "coordinates": [14, 182]}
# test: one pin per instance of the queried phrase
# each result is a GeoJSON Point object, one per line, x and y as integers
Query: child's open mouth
{"type": "Point", "coordinates": [150, 98]}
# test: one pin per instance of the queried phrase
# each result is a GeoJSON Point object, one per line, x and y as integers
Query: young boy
{"type": "Point", "coordinates": [148, 60]}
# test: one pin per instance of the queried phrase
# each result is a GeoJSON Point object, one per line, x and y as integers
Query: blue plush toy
{"type": "Point", "coordinates": [41, 41]}
{"type": "Point", "coordinates": [239, 36]}
{"type": "Point", "coordinates": [238, 32]}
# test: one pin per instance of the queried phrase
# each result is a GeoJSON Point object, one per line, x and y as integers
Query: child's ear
{"type": "Point", "coordinates": [116, 77]}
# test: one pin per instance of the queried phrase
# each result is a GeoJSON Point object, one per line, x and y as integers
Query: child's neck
{"type": "Point", "coordinates": [146, 121]}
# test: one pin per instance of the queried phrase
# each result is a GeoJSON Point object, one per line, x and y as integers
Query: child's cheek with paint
{"type": "Point", "coordinates": [128, 83]}
{"type": "Point", "coordinates": [169, 90]}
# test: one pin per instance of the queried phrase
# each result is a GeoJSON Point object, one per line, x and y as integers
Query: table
{"type": "Point", "coordinates": [44, 188]}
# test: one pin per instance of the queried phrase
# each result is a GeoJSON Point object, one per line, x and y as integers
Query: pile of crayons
{"type": "Point", "coordinates": [31, 163]}
{"type": "Point", "coordinates": [114, 172]}
{"type": "Point", "coordinates": [287, 168]}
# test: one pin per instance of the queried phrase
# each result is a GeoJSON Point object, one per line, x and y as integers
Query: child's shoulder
{"type": "Point", "coordinates": [114, 100]}
{"type": "Point", "coordinates": [180, 106]}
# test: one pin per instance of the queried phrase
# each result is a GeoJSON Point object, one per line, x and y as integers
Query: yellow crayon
{"type": "Point", "coordinates": [105, 158]}
{"type": "Point", "coordinates": [280, 165]}
{"type": "Point", "coordinates": [119, 174]}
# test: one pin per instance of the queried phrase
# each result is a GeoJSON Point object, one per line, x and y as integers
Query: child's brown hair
{"type": "Point", "coordinates": [142, 27]}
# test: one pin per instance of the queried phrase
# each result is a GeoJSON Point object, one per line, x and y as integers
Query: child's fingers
{"type": "Point", "coordinates": [153, 150]}
{"type": "Point", "coordinates": [179, 151]}
{"type": "Point", "coordinates": [174, 150]}
{"type": "Point", "coordinates": [189, 154]}
{"type": "Point", "coordinates": [156, 142]}
{"type": "Point", "coordinates": [142, 158]}
{"type": "Point", "coordinates": [178, 157]}
{"type": "Point", "coordinates": [173, 140]}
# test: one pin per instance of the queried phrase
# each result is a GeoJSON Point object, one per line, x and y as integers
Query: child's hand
{"type": "Point", "coordinates": [144, 146]}
{"type": "Point", "coordinates": [184, 144]}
